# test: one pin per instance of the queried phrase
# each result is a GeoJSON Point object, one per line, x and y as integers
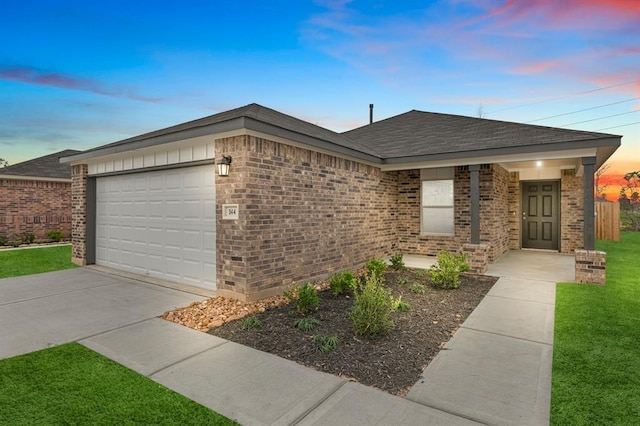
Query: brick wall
{"type": "Point", "coordinates": [29, 206]}
{"type": "Point", "coordinates": [494, 220]}
{"type": "Point", "coordinates": [515, 211]}
{"type": "Point", "coordinates": [301, 214]}
{"type": "Point", "coordinates": [572, 212]}
{"type": "Point", "coordinates": [494, 209]}
{"type": "Point", "coordinates": [79, 213]}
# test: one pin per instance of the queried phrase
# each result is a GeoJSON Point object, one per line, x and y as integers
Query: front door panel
{"type": "Point", "coordinates": [540, 218]}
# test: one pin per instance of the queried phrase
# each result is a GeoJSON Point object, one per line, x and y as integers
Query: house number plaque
{"type": "Point", "coordinates": [230, 211]}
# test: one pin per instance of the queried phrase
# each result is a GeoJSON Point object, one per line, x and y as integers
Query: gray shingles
{"type": "Point", "coordinates": [418, 133]}
{"type": "Point", "coordinates": [403, 137]}
{"type": "Point", "coordinates": [46, 166]}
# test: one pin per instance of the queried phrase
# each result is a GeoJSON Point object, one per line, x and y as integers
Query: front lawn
{"type": "Point", "coordinates": [596, 355]}
{"type": "Point", "coordinates": [72, 385]}
{"type": "Point", "coordinates": [14, 263]}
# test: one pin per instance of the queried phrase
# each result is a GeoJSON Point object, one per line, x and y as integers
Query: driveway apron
{"type": "Point", "coordinates": [38, 311]}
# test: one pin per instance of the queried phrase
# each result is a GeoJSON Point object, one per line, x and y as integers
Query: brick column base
{"type": "Point", "coordinates": [590, 266]}
{"type": "Point", "coordinates": [477, 257]}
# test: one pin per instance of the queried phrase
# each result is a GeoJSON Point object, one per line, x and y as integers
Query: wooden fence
{"type": "Point", "coordinates": [607, 221]}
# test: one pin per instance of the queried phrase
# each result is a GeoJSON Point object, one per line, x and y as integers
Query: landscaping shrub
{"type": "Point", "coordinates": [399, 305]}
{"type": "Point", "coordinates": [27, 238]}
{"type": "Point", "coordinates": [446, 273]}
{"type": "Point", "coordinates": [55, 236]}
{"type": "Point", "coordinates": [376, 266]}
{"type": "Point", "coordinates": [418, 288]}
{"type": "Point", "coordinates": [326, 344]}
{"type": "Point", "coordinates": [250, 322]}
{"type": "Point", "coordinates": [304, 298]}
{"type": "Point", "coordinates": [342, 282]}
{"type": "Point", "coordinates": [4, 241]}
{"type": "Point", "coordinates": [396, 261]}
{"type": "Point", "coordinates": [306, 324]}
{"type": "Point", "coordinates": [372, 307]}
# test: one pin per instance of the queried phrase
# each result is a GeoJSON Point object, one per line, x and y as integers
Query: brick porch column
{"type": "Point", "coordinates": [79, 214]}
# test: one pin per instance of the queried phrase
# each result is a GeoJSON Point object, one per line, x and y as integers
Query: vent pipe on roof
{"type": "Point", "coordinates": [370, 113]}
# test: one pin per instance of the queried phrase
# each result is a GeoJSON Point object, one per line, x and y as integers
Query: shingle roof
{"type": "Point", "coordinates": [418, 133]}
{"type": "Point", "coordinates": [398, 139]}
{"type": "Point", "coordinates": [256, 112]}
{"type": "Point", "coordinates": [46, 166]}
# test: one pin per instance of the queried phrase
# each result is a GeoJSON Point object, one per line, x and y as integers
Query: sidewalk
{"type": "Point", "coordinates": [496, 369]}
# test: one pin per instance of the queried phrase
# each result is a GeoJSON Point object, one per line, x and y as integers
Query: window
{"type": "Point", "coordinates": [437, 202]}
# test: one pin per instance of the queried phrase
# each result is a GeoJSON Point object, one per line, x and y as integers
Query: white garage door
{"type": "Point", "coordinates": [160, 224]}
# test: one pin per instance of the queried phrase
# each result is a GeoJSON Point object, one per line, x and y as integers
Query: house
{"type": "Point", "coordinates": [301, 201]}
{"type": "Point", "coordinates": [35, 197]}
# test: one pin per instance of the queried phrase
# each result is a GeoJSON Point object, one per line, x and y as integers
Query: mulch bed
{"type": "Point", "coordinates": [392, 362]}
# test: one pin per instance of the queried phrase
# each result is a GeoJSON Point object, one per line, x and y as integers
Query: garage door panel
{"type": "Point", "coordinates": [160, 224]}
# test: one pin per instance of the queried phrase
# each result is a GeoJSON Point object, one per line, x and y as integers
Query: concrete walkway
{"type": "Point", "coordinates": [496, 369]}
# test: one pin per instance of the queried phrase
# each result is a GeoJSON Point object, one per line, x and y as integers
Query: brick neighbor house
{"type": "Point", "coordinates": [35, 197]}
{"type": "Point", "coordinates": [301, 201]}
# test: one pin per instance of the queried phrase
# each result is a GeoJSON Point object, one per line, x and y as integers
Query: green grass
{"type": "Point", "coordinates": [14, 263]}
{"type": "Point", "coordinates": [72, 385]}
{"type": "Point", "coordinates": [596, 354]}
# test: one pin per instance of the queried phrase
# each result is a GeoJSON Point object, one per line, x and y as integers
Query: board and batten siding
{"type": "Point", "coordinates": [163, 155]}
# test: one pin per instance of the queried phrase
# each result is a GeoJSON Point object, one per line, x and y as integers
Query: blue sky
{"type": "Point", "coordinates": [78, 74]}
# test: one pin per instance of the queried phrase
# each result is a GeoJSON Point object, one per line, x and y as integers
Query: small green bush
{"type": "Point", "coordinates": [396, 261]}
{"type": "Point", "coordinates": [55, 236]}
{"type": "Point", "coordinates": [446, 273]}
{"type": "Point", "coordinates": [305, 298]}
{"type": "Point", "coordinates": [376, 266]}
{"type": "Point", "coordinates": [342, 282]}
{"type": "Point", "coordinates": [306, 324]}
{"type": "Point", "coordinates": [402, 281]}
{"type": "Point", "coordinates": [418, 288]}
{"type": "Point", "coordinates": [421, 273]}
{"type": "Point", "coordinates": [326, 344]}
{"type": "Point", "coordinates": [372, 306]}
{"type": "Point", "coordinates": [250, 323]}
{"type": "Point", "coordinates": [27, 238]}
{"type": "Point", "coordinates": [4, 241]}
{"type": "Point", "coordinates": [399, 305]}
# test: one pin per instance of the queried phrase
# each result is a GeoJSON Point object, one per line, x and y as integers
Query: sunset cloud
{"type": "Point", "coordinates": [35, 76]}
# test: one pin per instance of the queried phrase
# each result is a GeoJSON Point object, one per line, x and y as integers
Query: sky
{"type": "Point", "coordinates": [79, 74]}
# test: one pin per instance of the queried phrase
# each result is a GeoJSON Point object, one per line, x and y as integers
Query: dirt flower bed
{"type": "Point", "coordinates": [392, 362]}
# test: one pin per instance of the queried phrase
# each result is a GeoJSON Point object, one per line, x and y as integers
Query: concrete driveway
{"type": "Point", "coordinates": [38, 311]}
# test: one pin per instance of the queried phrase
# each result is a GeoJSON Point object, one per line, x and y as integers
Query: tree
{"type": "Point", "coordinates": [480, 112]}
{"type": "Point", "coordinates": [3, 162]}
{"type": "Point", "coordinates": [630, 201]}
{"type": "Point", "coordinates": [599, 186]}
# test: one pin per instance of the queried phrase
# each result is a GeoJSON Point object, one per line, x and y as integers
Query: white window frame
{"type": "Point", "coordinates": [431, 176]}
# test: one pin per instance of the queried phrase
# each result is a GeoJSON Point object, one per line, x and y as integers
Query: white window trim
{"type": "Point", "coordinates": [440, 174]}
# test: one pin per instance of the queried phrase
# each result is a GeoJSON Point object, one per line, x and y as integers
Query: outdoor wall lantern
{"type": "Point", "coordinates": [223, 165]}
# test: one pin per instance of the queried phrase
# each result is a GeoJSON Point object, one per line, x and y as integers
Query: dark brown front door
{"type": "Point", "coordinates": [540, 218]}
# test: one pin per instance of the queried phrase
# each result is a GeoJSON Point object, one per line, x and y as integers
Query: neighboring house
{"type": "Point", "coordinates": [35, 197]}
{"type": "Point", "coordinates": [301, 201]}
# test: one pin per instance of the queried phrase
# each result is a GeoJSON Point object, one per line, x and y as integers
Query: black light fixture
{"type": "Point", "coordinates": [223, 165]}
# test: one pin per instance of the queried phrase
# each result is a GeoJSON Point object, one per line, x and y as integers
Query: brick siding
{"type": "Point", "coordinates": [572, 212]}
{"type": "Point", "coordinates": [79, 213]}
{"type": "Point", "coordinates": [302, 214]}
{"type": "Point", "coordinates": [30, 206]}
{"type": "Point", "coordinates": [494, 221]}
{"type": "Point", "coordinates": [515, 211]}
